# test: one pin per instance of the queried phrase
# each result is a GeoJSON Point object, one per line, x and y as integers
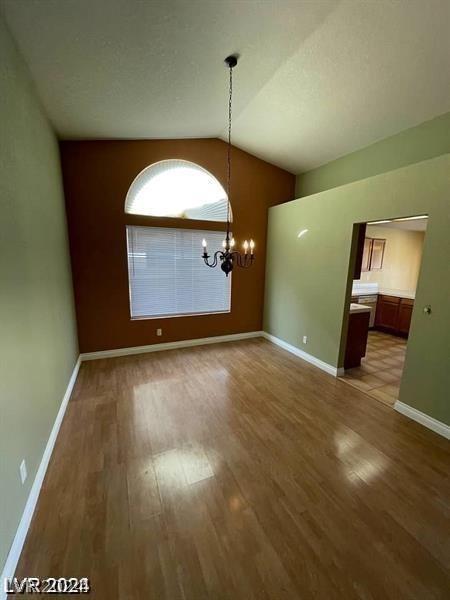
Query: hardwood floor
{"type": "Point", "coordinates": [238, 471]}
{"type": "Point", "coordinates": [381, 369]}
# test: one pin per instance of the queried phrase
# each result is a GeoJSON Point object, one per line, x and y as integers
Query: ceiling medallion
{"type": "Point", "coordinates": [227, 256]}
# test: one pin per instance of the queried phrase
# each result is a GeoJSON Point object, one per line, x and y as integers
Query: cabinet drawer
{"type": "Point", "coordinates": [407, 301]}
{"type": "Point", "coordinates": [392, 299]}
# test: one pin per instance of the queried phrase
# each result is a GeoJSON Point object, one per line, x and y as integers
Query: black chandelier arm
{"type": "Point", "coordinates": [215, 260]}
{"type": "Point", "coordinates": [244, 261]}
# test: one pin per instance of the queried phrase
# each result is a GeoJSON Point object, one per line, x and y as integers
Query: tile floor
{"type": "Point", "coordinates": [381, 370]}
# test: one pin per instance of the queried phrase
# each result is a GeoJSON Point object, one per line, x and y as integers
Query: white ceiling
{"type": "Point", "coordinates": [408, 224]}
{"type": "Point", "coordinates": [317, 78]}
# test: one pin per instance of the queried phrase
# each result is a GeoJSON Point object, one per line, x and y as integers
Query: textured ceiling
{"type": "Point", "coordinates": [316, 79]}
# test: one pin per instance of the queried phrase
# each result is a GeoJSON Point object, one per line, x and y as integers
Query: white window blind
{"type": "Point", "coordinates": [168, 276]}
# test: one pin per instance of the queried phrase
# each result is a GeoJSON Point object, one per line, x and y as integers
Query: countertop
{"type": "Point", "coordinates": [398, 293]}
{"type": "Point", "coordinates": [359, 308]}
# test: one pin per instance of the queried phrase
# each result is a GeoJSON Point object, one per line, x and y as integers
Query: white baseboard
{"type": "Point", "coordinates": [169, 345]}
{"type": "Point", "coordinates": [27, 515]}
{"type": "Point", "coordinates": [304, 355]}
{"type": "Point", "coordinates": [423, 419]}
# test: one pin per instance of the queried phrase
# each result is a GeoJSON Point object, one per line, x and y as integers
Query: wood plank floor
{"type": "Point", "coordinates": [238, 471]}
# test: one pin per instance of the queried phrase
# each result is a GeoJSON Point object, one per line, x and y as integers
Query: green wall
{"type": "Point", "coordinates": [425, 141]}
{"type": "Point", "coordinates": [38, 347]}
{"type": "Point", "coordinates": [306, 278]}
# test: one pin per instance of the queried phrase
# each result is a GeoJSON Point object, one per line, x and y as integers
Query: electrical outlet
{"type": "Point", "coordinates": [305, 339]}
{"type": "Point", "coordinates": [159, 332]}
{"type": "Point", "coordinates": [23, 471]}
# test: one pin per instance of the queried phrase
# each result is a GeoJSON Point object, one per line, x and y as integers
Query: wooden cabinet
{"type": "Point", "coordinates": [358, 329]}
{"type": "Point", "coordinates": [370, 253]}
{"type": "Point", "coordinates": [394, 314]}
{"type": "Point", "coordinates": [404, 315]}
{"type": "Point", "coordinates": [386, 316]}
{"type": "Point", "coordinates": [367, 253]}
{"type": "Point", "coordinates": [377, 254]}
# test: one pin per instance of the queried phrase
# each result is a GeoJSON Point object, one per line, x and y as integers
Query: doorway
{"type": "Point", "coordinates": [385, 268]}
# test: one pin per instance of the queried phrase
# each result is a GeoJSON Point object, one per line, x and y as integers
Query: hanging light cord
{"type": "Point", "coordinates": [227, 256]}
{"type": "Point", "coordinates": [230, 100]}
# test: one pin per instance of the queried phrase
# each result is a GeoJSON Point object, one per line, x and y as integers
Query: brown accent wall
{"type": "Point", "coordinates": [97, 175]}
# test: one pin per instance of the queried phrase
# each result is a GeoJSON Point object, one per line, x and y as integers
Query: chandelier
{"type": "Point", "coordinates": [227, 256]}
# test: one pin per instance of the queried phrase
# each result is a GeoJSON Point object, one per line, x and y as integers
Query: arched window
{"type": "Point", "coordinates": [166, 272]}
{"type": "Point", "coordinates": [177, 188]}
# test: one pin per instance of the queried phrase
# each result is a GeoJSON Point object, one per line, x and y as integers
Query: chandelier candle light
{"type": "Point", "coordinates": [227, 256]}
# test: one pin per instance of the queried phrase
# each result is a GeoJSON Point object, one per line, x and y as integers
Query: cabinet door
{"type": "Point", "coordinates": [377, 255]}
{"type": "Point", "coordinates": [367, 254]}
{"type": "Point", "coordinates": [404, 316]}
{"type": "Point", "coordinates": [387, 312]}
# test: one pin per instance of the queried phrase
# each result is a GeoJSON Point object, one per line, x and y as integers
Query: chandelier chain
{"type": "Point", "coordinates": [228, 257]}
{"type": "Point", "coordinates": [230, 103]}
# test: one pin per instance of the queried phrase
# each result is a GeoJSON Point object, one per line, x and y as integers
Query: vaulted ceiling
{"type": "Point", "coordinates": [316, 79]}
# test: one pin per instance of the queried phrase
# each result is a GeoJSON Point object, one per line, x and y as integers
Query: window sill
{"type": "Point", "coordinates": [174, 316]}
